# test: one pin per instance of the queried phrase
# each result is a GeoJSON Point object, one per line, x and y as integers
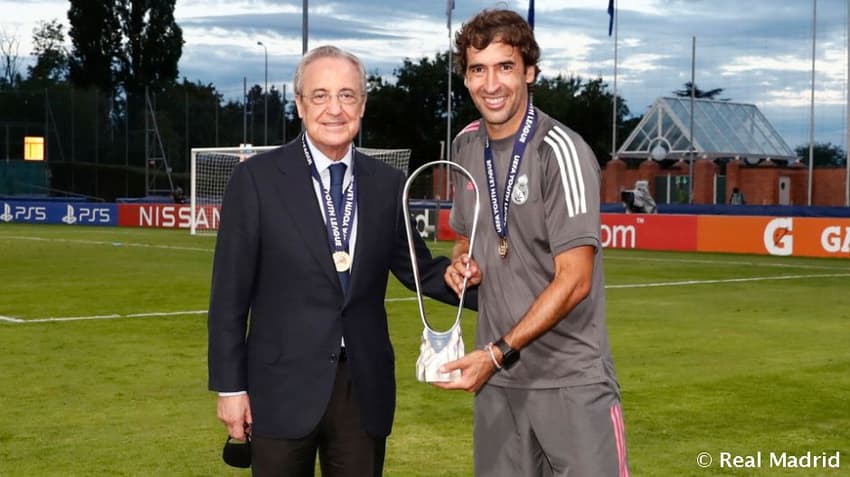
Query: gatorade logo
{"type": "Point", "coordinates": [778, 238]}
{"type": "Point", "coordinates": [834, 239]}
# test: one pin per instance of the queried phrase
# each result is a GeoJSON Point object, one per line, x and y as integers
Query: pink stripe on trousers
{"type": "Point", "coordinates": [620, 438]}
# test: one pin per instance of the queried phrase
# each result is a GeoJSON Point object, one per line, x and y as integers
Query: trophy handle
{"type": "Point", "coordinates": [413, 262]}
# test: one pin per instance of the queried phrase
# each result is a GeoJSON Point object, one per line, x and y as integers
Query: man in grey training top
{"type": "Point", "coordinates": [554, 410]}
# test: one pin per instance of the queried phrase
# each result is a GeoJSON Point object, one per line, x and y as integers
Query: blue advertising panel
{"type": "Point", "coordinates": [52, 212]}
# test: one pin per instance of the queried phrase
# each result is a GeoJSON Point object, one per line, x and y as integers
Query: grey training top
{"type": "Point", "coordinates": [554, 208]}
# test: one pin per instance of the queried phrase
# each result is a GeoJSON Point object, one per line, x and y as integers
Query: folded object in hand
{"type": "Point", "coordinates": [436, 350]}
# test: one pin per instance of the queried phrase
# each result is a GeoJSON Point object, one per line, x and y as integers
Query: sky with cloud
{"type": "Point", "coordinates": [758, 51]}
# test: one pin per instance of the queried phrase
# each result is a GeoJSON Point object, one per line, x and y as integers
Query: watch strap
{"type": "Point", "coordinates": [509, 355]}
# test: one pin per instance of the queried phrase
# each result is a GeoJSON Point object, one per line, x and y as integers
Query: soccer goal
{"type": "Point", "coordinates": [211, 168]}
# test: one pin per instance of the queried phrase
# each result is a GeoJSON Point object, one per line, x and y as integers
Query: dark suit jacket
{"type": "Point", "coordinates": [273, 264]}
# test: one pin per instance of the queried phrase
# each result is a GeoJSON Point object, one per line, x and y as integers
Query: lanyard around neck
{"type": "Point", "coordinates": [500, 211]}
{"type": "Point", "coordinates": [339, 235]}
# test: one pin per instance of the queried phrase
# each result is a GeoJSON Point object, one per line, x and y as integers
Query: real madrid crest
{"type": "Point", "coordinates": [520, 193]}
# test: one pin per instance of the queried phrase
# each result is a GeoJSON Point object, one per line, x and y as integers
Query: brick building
{"type": "Point", "coordinates": [734, 145]}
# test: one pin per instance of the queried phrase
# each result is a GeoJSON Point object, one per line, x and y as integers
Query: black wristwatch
{"type": "Point", "coordinates": [509, 355]}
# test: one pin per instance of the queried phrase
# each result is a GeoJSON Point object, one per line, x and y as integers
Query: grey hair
{"type": "Point", "coordinates": [326, 51]}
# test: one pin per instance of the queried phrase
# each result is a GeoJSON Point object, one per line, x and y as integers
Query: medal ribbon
{"type": "Point", "coordinates": [338, 235]}
{"type": "Point", "coordinates": [500, 214]}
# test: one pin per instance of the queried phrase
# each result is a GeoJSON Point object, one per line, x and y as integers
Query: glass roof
{"type": "Point", "coordinates": [720, 129]}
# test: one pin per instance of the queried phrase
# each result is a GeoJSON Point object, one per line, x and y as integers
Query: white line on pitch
{"type": "Point", "coordinates": [628, 285]}
{"type": "Point", "coordinates": [114, 243]}
{"type": "Point", "coordinates": [727, 280]}
{"type": "Point", "coordinates": [107, 317]}
{"type": "Point", "coordinates": [608, 257]}
{"type": "Point", "coordinates": [114, 316]}
{"type": "Point", "coordinates": [724, 262]}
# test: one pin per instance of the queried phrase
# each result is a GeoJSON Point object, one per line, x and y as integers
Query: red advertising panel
{"type": "Point", "coordinates": [166, 216]}
{"type": "Point", "coordinates": [444, 230]}
{"type": "Point", "coordinates": [781, 236]}
{"type": "Point", "coordinates": [649, 232]}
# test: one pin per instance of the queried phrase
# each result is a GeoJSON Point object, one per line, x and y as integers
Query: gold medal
{"type": "Point", "coordinates": [342, 261]}
{"type": "Point", "coordinates": [503, 247]}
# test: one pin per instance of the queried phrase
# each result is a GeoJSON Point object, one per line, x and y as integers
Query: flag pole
{"type": "Point", "coordinates": [693, 96]}
{"type": "Point", "coordinates": [847, 114]}
{"type": "Point", "coordinates": [812, 104]}
{"type": "Point", "coordinates": [450, 5]}
{"type": "Point", "coordinates": [614, 18]}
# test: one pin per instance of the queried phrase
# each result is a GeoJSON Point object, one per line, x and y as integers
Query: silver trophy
{"type": "Point", "coordinates": [437, 348]}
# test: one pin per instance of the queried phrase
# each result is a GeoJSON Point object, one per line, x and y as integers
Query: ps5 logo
{"type": "Point", "coordinates": [69, 217]}
{"type": "Point", "coordinates": [25, 213]}
{"type": "Point", "coordinates": [86, 215]}
{"type": "Point", "coordinates": [7, 213]}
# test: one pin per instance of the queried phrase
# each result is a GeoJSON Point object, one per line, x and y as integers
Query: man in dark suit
{"type": "Point", "coordinates": [299, 349]}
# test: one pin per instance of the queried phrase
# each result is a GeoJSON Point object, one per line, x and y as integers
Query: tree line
{"type": "Point", "coordinates": [91, 100]}
{"type": "Point", "coordinates": [90, 97]}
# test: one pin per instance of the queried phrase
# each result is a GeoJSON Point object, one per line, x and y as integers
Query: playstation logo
{"type": "Point", "coordinates": [69, 217]}
{"type": "Point", "coordinates": [7, 213]}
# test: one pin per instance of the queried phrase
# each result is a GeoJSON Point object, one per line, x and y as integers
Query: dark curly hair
{"type": "Point", "coordinates": [501, 25]}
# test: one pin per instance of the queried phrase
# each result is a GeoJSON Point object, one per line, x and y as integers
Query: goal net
{"type": "Point", "coordinates": [398, 158]}
{"type": "Point", "coordinates": [211, 168]}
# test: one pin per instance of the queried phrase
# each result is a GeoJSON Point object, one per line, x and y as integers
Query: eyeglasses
{"type": "Point", "coordinates": [347, 98]}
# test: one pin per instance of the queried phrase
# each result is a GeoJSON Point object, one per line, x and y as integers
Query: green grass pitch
{"type": "Point", "coordinates": [103, 360]}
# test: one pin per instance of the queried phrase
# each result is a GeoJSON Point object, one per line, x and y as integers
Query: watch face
{"type": "Point", "coordinates": [510, 358]}
{"type": "Point", "coordinates": [509, 355]}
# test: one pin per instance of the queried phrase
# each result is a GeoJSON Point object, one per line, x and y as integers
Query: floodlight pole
{"type": "Point", "coordinates": [265, 98]}
{"type": "Point", "coordinates": [304, 9]}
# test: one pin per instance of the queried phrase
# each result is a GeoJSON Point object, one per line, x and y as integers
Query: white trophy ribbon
{"type": "Point", "coordinates": [437, 348]}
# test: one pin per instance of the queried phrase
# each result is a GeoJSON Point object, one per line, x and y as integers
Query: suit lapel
{"type": "Point", "coordinates": [297, 196]}
{"type": "Point", "coordinates": [368, 204]}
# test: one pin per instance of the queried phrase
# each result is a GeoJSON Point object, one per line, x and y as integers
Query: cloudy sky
{"type": "Point", "coordinates": [758, 51]}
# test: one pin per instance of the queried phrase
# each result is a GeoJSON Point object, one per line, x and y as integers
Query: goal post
{"type": "Point", "coordinates": [211, 168]}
